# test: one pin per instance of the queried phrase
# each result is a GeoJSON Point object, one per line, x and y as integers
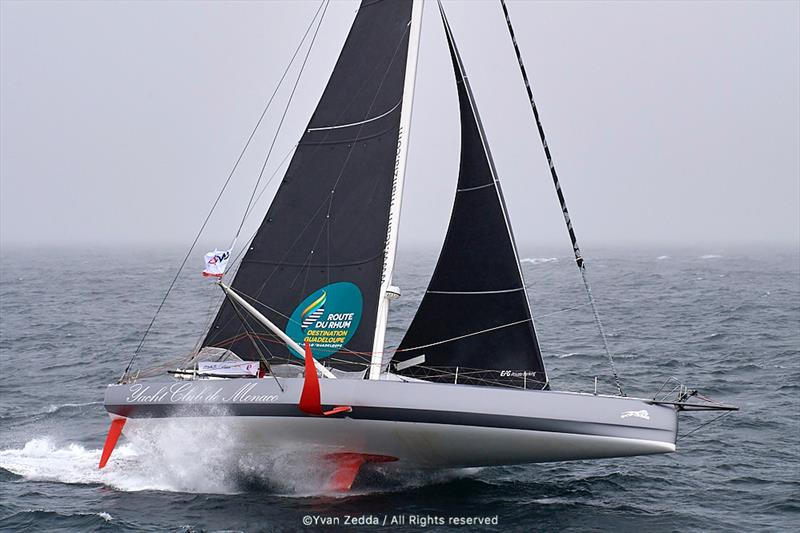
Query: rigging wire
{"type": "Point", "coordinates": [285, 109]}
{"type": "Point", "coordinates": [436, 343]}
{"type": "Point", "coordinates": [269, 180]}
{"type": "Point", "coordinates": [487, 330]}
{"type": "Point", "coordinates": [224, 187]}
{"type": "Point", "coordinates": [251, 203]}
{"type": "Point", "coordinates": [578, 257]}
{"type": "Point", "coordinates": [704, 425]}
{"type": "Point", "coordinates": [214, 304]}
{"type": "Point", "coordinates": [255, 345]}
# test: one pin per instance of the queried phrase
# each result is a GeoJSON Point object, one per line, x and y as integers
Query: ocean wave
{"type": "Point", "coordinates": [67, 406]}
{"type": "Point", "coordinates": [40, 519]}
{"type": "Point", "coordinates": [539, 260]}
{"type": "Point", "coordinates": [41, 460]}
{"type": "Point", "coordinates": [727, 335]}
{"type": "Point", "coordinates": [565, 355]}
{"type": "Point", "coordinates": [662, 257]}
{"type": "Point", "coordinates": [105, 516]}
{"type": "Point", "coordinates": [51, 409]}
{"type": "Point", "coordinates": [710, 256]}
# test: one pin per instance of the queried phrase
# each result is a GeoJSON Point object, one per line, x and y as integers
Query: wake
{"type": "Point", "coordinates": [203, 466]}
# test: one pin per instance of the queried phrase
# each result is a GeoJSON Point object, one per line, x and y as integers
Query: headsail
{"type": "Point", "coordinates": [324, 236]}
{"type": "Point", "coordinates": [476, 301]}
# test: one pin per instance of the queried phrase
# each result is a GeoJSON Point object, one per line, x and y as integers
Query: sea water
{"type": "Point", "coordinates": [726, 321]}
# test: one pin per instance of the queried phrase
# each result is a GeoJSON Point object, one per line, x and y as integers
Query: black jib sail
{"type": "Point", "coordinates": [314, 266]}
{"type": "Point", "coordinates": [474, 323]}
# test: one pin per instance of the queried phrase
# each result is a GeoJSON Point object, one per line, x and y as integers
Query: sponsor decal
{"type": "Point", "coordinates": [638, 414]}
{"type": "Point", "coordinates": [327, 319]}
{"type": "Point", "coordinates": [196, 392]}
{"type": "Point", "coordinates": [216, 262]}
{"type": "Point", "coordinates": [517, 373]}
{"type": "Point", "coordinates": [229, 368]}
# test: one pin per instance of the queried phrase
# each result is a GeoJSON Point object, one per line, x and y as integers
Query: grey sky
{"type": "Point", "coordinates": [670, 122]}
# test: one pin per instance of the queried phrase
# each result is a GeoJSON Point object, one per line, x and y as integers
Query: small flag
{"type": "Point", "coordinates": [216, 262]}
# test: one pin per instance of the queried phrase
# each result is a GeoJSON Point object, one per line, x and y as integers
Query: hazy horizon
{"type": "Point", "coordinates": [672, 124]}
{"type": "Point", "coordinates": [532, 249]}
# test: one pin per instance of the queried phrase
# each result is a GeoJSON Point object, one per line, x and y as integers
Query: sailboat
{"type": "Point", "coordinates": [296, 356]}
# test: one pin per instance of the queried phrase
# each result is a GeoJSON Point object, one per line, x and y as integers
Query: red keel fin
{"type": "Point", "coordinates": [345, 472]}
{"type": "Point", "coordinates": [111, 440]}
{"type": "Point", "coordinates": [347, 468]}
{"type": "Point", "coordinates": [310, 400]}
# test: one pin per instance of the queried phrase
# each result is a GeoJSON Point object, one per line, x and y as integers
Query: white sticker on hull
{"type": "Point", "coordinates": [638, 414]}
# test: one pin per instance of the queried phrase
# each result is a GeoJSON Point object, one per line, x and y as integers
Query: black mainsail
{"type": "Point", "coordinates": [474, 323]}
{"type": "Point", "coordinates": [316, 265]}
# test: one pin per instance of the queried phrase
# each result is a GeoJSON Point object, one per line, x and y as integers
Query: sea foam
{"type": "Point", "coordinates": [203, 462]}
{"type": "Point", "coordinates": [538, 260]}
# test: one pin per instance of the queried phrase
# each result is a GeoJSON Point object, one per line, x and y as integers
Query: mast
{"type": "Point", "coordinates": [387, 291]}
{"type": "Point", "coordinates": [562, 202]}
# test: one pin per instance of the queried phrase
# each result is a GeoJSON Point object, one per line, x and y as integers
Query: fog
{"type": "Point", "coordinates": [670, 123]}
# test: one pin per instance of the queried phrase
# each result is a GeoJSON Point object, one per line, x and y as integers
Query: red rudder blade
{"type": "Point", "coordinates": [111, 440]}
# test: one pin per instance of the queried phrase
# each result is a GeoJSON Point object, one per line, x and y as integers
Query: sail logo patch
{"type": "Point", "coordinates": [327, 319]}
{"type": "Point", "coordinates": [313, 312]}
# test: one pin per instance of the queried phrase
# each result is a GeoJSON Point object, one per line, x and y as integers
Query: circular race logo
{"type": "Point", "coordinates": [327, 319]}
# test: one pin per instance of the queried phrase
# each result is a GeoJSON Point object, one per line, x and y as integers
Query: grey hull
{"type": "Point", "coordinates": [421, 424]}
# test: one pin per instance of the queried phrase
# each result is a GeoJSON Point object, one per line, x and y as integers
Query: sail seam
{"type": "Point", "coordinates": [339, 126]}
{"type": "Point", "coordinates": [502, 291]}
{"type": "Point", "coordinates": [467, 189]}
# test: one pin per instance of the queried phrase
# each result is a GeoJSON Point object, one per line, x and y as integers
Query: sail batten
{"type": "Point", "coordinates": [501, 291]}
{"type": "Point", "coordinates": [475, 315]}
{"type": "Point", "coordinates": [359, 123]}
